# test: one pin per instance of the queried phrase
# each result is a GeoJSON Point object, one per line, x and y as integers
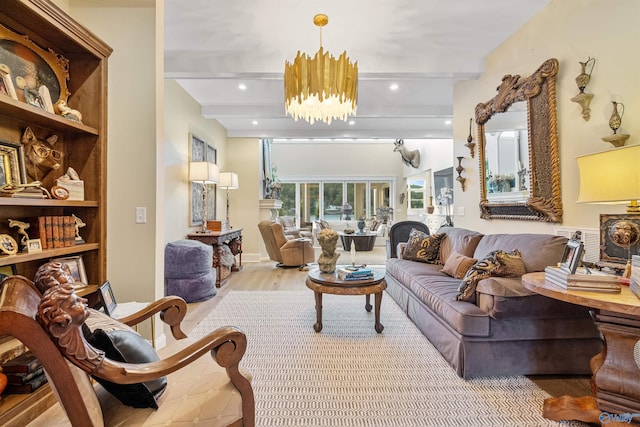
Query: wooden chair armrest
{"type": "Point", "coordinates": [227, 345]}
{"type": "Point", "coordinates": [172, 311]}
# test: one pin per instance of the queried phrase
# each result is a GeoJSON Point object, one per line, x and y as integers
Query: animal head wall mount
{"type": "Point", "coordinates": [41, 157]}
{"type": "Point", "coordinates": [410, 158]}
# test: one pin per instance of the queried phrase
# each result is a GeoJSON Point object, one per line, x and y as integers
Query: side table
{"type": "Point", "coordinates": [616, 372]}
{"type": "Point", "coordinates": [231, 238]}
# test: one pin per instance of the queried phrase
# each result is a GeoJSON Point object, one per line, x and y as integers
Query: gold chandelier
{"type": "Point", "coordinates": [321, 88]}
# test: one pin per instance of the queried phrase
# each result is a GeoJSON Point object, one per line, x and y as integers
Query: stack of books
{"type": "Point", "coordinates": [25, 374]}
{"type": "Point", "coordinates": [56, 231]}
{"type": "Point", "coordinates": [583, 280]}
{"type": "Point", "coordinates": [349, 273]}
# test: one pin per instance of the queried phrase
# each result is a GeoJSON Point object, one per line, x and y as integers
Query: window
{"type": "Point", "coordinates": [417, 193]}
{"type": "Point", "coordinates": [334, 200]}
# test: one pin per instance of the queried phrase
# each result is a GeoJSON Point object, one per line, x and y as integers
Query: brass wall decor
{"type": "Point", "coordinates": [584, 99]}
{"type": "Point", "coordinates": [461, 179]}
{"type": "Point", "coordinates": [539, 91]}
{"type": "Point", "coordinates": [615, 121]}
{"type": "Point", "coordinates": [470, 144]}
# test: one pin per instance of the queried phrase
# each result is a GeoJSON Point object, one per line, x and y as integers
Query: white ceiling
{"type": "Point", "coordinates": [424, 46]}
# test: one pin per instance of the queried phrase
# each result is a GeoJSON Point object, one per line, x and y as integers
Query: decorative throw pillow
{"type": "Point", "coordinates": [496, 263]}
{"type": "Point", "coordinates": [457, 265]}
{"type": "Point", "coordinates": [129, 347]}
{"type": "Point", "coordinates": [423, 247]}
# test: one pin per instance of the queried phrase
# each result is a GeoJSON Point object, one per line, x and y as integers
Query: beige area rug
{"type": "Point", "coordinates": [348, 375]}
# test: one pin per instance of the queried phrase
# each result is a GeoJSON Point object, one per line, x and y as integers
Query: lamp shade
{"type": "Point", "coordinates": [204, 172]}
{"type": "Point", "coordinates": [611, 176]}
{"type": "Point", "coordinates": [229, 180]}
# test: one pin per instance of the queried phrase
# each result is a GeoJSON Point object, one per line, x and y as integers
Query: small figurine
{"type": "Point", "coordinates": [79, 225]}
{"type": "Point", "coordinates": [22, 230]}
{"type": "Point", "coordinates": [62, 109]}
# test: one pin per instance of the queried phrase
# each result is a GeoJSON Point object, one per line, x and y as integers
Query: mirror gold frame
{"type": "Point", "coordinates": [539, 91]}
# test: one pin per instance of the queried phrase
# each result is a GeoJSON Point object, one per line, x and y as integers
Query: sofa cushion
{"type": "Point", "coordinates": [457, 265]}
{"type": "Point", "coordinates": [404, 270]}
{"type": "Point", "coordinates": [460, 240]}
{"type": "Point", "coordinates": [495, 263]}
{"type": "Point", "coordinates": [438, 293]}
{"type": "Point", "coordinates": [423, 247]}
{"type": "Point", "coordinates": [537, 250]}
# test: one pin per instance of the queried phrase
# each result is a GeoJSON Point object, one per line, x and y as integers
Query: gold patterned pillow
{"type": "Point", "coordinates": [457, 265]}
{"type": "Point", "coordinates": [497, 263]}
{"type": "Point", "coordinates": [423, 247]}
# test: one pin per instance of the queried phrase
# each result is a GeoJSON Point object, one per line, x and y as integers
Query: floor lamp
{"type": "Point", "coordinates": [204, 173]}
{"type": "Point", "coordinates": [228, 181]}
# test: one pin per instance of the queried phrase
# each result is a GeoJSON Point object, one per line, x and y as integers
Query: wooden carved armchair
{"type": "Point", "coordinates": [50, 324]}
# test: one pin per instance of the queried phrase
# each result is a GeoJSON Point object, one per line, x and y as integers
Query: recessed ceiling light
{"type": "Point", "coordinates": [447, 122]}
{"type": "Point", "coordinates": [242, 86]}
{"type": "Point", "coordinates": [394, 86]}
{"type": "Point", "coordinates": [352, 122]}
{"type": "Point", "coordinates": [255, 122]}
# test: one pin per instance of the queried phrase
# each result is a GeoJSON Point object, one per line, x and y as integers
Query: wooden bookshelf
{"type": "Point", "coordinates": [84, 145]}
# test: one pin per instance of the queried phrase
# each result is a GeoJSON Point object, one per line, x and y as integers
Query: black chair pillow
{"type": "Point", "coordinates": [129, 347]}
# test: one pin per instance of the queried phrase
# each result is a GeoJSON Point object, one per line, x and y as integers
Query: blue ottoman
{"type": "Point", "coordinates": [188, 271]}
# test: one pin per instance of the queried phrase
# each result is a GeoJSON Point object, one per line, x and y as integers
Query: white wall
{"type": "Point", "coordinates": [131, 183]}
{"type": "Point", "coordinates": [181, 116]}
{"type": "Point", "coordinates": [571, 31]}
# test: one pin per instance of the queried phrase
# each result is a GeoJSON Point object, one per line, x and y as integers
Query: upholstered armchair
{"type": "Point", "coordinates": [288, 253]}
{"type": "Point", "coordinates": [133, 387]}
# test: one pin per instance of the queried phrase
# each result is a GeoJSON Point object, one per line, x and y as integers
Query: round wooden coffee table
{"type": "Point", "coordinates": [329, 283]}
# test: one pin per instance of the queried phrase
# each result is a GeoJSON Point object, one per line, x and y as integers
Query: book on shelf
{"type": "Point", "coordinates": [29, 387]}
{"type": "Point", "coordinates": [23, 364]}
{"type": "Point", "coordinates": [24, 377]}
{"type": "Point", "coordinates": [54, 231]}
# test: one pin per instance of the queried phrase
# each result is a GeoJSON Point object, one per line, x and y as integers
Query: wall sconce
{"type": "Point", "coordinates": [459, 169]}
{"type": "Point", "coordinates": [470, 144]}
{"type": "Point", "coordinates": [228, 181]}
{"type": "Point", "coordinates": [204, 173]}
{"type": "Point", "coordinates": [584, 99]}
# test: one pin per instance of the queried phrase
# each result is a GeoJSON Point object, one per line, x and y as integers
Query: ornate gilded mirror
{"type": "Point", "coordinates": [518, 146]}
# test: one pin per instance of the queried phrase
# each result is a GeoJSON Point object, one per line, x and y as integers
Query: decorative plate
{"type": "Point", "coordinates": [8, 245]}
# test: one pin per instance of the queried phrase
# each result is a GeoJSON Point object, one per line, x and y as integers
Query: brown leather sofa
{"type": "Point", "coordinates": [287, 252]}
{"type": "Point", "coordinates": [509, 330]}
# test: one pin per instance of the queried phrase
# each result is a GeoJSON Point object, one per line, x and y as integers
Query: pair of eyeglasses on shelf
{"type": "Point", "coordinates": [44, 152]}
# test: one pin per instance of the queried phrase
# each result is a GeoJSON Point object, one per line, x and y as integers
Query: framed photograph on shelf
{"type": "Point", "coordinates": [12, 168]}
{"type": "Point", "coordinates": [34, 246]}
{"type": "Point", "coordinates": [108, 299]}
{"type": "Point", "coordinates": [572, 256]}
{"type": "Point", "coordinates": [76, 267]}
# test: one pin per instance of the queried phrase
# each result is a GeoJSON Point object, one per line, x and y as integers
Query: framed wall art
{"type": "Point", "coordinates": [12, 167]}
{"type": "Point", "coordinates": [31, 67]}
{"type": "Point", "coordinates": [76, 267]}
{"type": "Point", "coordinates": [200, 151]}
{"type": "Point", "coordinates": [619, 237]}
{"type": "Point", "coordinates": [108, 299]}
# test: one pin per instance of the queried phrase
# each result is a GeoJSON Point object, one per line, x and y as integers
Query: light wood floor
{"type": "Point", "coordinates": [265, 276]}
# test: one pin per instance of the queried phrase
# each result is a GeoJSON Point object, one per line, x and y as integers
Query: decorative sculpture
{"type": "Point", "coordinates": [461, 179]}
{"type": "Point", "coordinates": [22, 230]}
{"type": "Point", "coordinates": [615, 121]}
{"type": "Point", "coordinates": [328, 238]}
{"type": "Point", "coordinates": [78, 225]}
{"type": "Point", "coordinates": [41, 157]}
{"type": "Point", "coordinates": [470, 144]}
{"type": "Point", "coordinates": [410, 158]}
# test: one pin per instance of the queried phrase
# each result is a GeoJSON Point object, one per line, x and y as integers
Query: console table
{"type": "Point", "coordinates": [231, 238]}
{"type": "Point", "coordinates": [616, 371]}
{"type": "Point", "coordinates": [362, 241]}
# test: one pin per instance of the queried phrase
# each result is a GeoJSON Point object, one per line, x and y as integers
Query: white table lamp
{"type": "Point", "coordinates": [204, 173]}
{"type": "Point", "coordinates": [229, 181]}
